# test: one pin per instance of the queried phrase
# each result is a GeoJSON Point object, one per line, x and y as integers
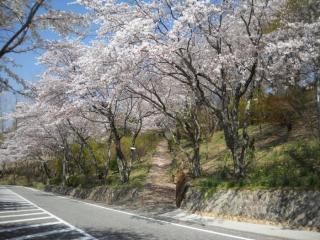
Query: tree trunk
{"type": "Point", "coordinates": [28, 173]}
{"type": "Point", "coordinates": [122, 166]}
{"type": "Point", "coordinates": [239, 168]}
{"type": "Point", "coordinates": [192, 128]}
{"type": "Point", "coordinates": [14, 173]}
{"type": "Point", "coordinates": [232, 139]}
{"type": "Point", "coordinates": [87, 145]}
{"type": "Point", "coordinates": [46, 170]}
{"type": "Point", "coordinates": [80, 161]}
{"type": "Point", "coordinates": [64, 170]}
{"type": "Point", "coordinates": [134, 155]}
{"type": "Point", "coordinates": [93, 157]}
{"type": "Point", "coordinates": [108, 159]}
{"type": "Point", "coordinates": [318, 105]}
{"type": "Point", "coordinates": [196, 166]}
{"type": "Point", "coordinates": [4, 169]}
{"type": "Point", "coordinates": [237, 144]}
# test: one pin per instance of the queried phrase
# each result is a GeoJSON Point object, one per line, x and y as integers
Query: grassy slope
{"type": "Point", "coordinates": [146, 145]}
{"type": "Point", "coordinates": [281, 160]}
{"type": "Point", "coordinates": [139, 172]}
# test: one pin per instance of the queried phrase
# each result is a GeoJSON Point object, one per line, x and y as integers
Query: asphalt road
{"type": "Point", "coordinates": [29, 214]}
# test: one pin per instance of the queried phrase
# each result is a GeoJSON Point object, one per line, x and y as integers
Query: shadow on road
{"type": "Point", "coordinates": [119, 235]}
{"type": "Point", "coordinates": [8, 205]}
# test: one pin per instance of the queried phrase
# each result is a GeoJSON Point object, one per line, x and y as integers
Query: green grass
{"type": "Point", "coordinates": [21, 181]}
{"type": "Point", "coordinates": [279, 162]}
{"type": "Point", "coordinates": [139, 172]}
{"type": "Point", "coordinates": [138, 175]}
{"type": "Point", "coordinates": [146, 145]}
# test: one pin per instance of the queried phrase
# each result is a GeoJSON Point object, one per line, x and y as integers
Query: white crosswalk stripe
{"type": "Point", "coordinates": [44, 234]}
{"type": "Point", "coordinates": [20, 215]}
{"type": "Point", "coordinates": [22, 219]}
{"type": "Point", "coordinates": [15, 211]}
{"type": "Point", "coordinates": [28, 226]}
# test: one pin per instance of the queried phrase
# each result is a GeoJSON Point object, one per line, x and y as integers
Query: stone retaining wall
{"type": "Point", "coordinates": [291, 208]}
{"type": "Point", "coordinates": [100, 194]}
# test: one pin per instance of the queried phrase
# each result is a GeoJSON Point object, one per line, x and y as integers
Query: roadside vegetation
{"type": "Point", "coordinates": [30, 173]}
{"type": "Point", "coordinates": [286, 150]}
{"type": "Point", "coordinates": [286, 153]}
{"type": "Point", "coordinates": [290, 164]}
{"type": "Point", "coordinates": [234, 87]}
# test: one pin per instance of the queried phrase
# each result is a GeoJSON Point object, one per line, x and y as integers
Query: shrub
{"type": "Point", "coordinates": [82, 181]}
{"type": "Point", "coordinates": [76, 180]}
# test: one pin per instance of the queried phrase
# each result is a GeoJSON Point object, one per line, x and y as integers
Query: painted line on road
{"type": "Point", "coordinates": [160, 221]}
{"type": "Point", "coordinates": [10, 202]}
{"type": "Point", "coordinates": [153, 219]}
{"type": "Point", "coordinates": [14, 211]}
{"type": "Point", "coordinates": [29, 226]}
{"type": "Point", "coordinates": [24, 220]}
{"type": "Point", "coordinates": [15, 205]}
{"type": "Point", "coordinates": [4, 202]}
{"type": "Point", "coordinates": [32, 189]}
{"type": "Point", "coordinates": [20, 215]}
{"type": "Point", "coordinates": [36, 235]}
{"type": "Point", "coordinates": [56, 217]}
{"type": "Point", "coordinates": [9, 199]}
{"type": "Point", "coordinates": [83, 238]}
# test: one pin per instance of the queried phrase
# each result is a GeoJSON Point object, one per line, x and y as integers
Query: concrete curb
{"type": "Point", "coordinates": [264, 229]}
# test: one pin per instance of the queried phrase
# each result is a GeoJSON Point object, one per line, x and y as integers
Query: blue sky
{"type": "Point", "coordinates": [29, 69]}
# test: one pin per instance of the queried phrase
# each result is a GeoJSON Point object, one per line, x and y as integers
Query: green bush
{"type": "Point", "coordinates": [145, 143]}
{"type": "Point", "coordinates": [76, 180]}
{"type": "Point", "coordinates": [312, 181]}
{"type": "Point", "coordinates": [55, 181]}
{"type": "Point", "coordinates": [293, 164]}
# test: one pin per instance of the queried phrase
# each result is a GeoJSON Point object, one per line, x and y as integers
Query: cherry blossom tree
{"type": "Point", "coordinates": [293, 49]}
{"type": "Point", "coordinates": [86, 83]}
{"type": "Point", "coordinates": [168, 60]}
{"type": "Point", "coordinates": [211, 49]}
{"type": "Point", "coordinates": [21, 26]}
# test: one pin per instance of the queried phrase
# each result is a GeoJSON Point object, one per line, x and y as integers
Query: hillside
{"type": "Point", "coordinates": [280, 160]}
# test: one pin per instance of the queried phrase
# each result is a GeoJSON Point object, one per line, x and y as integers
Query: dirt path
{"type": "Point", "coordinates": [159, 190]}
{"type": "Point", "coordinates": [161, 160]}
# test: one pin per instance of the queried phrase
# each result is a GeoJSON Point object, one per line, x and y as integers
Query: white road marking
{"type": "Point", "coordinates": [20, 215]}
{"type": "Point", "coordinates": [24, 220]}
{"type": "Point", "coordinates": [32, 189]}
{"type": "Point", "coordinates": [13, 211]}
{"type": "Point", "coordinates": [9, 201]}
{"type": "Point", "coordinates": [56, 217]}
{"type": "Point", "coordinates": [29, 226]}
{"type": "Point", "coordinates": [146, 218]}
{"type": "Point", "coordinates": [17, 208]}
{"type": "Point", "coordinates": [36, 235]}
{"type": "Point", "coordinates": [160, 221]}
{"type": "Point", "coordinates": [15, 205]}
{"type": "Point", "coordinates": [83, 238]}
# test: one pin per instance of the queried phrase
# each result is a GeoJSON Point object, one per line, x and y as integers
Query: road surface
{"type": "Point", "coordinates": [30, 214]}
